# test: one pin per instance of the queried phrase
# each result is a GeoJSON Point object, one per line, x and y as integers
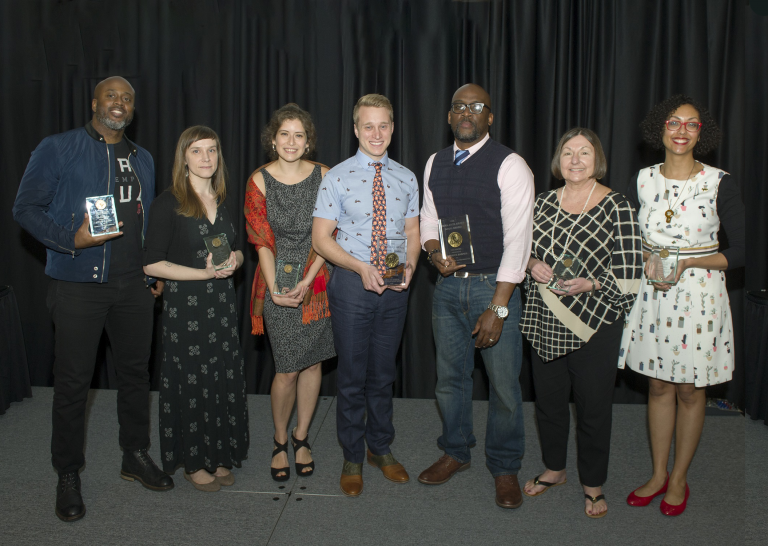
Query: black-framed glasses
{"type": "Point", "coordinates": [474, 108]}
{"type": "Point", "coordinates": [690, 126]}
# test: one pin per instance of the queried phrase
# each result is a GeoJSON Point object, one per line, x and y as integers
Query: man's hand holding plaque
{"type": "Point", "coordinates": [395, 260]}
{"type": "Point", "coordinates": [456, 239]}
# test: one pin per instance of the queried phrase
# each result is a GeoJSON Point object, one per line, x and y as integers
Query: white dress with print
{"type": "Point", "coordinates": [684, 335]}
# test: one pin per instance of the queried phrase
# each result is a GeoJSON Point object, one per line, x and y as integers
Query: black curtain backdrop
{"type": "Point", "coordinates": [548, 65]}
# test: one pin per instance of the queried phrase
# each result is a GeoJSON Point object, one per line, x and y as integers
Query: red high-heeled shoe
{"type": "Point", "coordinates": [636, 500]}
{"type": "Point", "coordinates": [675, 510]}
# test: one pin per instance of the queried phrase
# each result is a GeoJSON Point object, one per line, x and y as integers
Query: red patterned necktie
{"type": "Point", "coordinates": [379, 226]}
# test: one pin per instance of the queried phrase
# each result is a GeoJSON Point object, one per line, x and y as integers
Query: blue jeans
{"type": "Point", "coordinates": [456, 307]}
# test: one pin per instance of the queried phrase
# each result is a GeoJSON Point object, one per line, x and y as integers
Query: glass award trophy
{"type": "Point", "coordinates": [287, 276]}
{"type": "Point", "coordinates": [395, 258]}
{"type": "Point", "coordinates": [662, 265]}
{"type": "Point", "coordinates": [219, 247]}
{"type": "Point", "coordinates": [102, 215]}
{"type": "Point", "coordinates": [456, 239]}
{"type": "Point", "coordinates": [567, 268]}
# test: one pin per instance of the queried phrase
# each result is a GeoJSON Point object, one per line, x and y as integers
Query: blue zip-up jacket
{"type": "Point", "coordinates": [50, 204]}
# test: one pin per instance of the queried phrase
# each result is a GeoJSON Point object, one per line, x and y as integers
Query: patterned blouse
{"type": "Point", "coordinates": [607, 241]}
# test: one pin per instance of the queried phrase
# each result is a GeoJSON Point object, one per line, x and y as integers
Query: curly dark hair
{"type": "Point", "coordinates": [653, 127]}
{"type": "Point", "coordinates": [279, 116]}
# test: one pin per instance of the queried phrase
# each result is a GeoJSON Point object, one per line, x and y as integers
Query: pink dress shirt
{"type": "Point", "coordinates": [515, 181]}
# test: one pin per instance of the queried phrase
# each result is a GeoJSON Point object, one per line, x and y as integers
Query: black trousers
{"type": "Point", "coordinates": [81, 312]}
{"type": "Point", "coordinates": [591, 372]}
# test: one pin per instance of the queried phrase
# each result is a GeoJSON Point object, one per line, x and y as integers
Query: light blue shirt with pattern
{"type": "Point", "coordinates": [346, 196]}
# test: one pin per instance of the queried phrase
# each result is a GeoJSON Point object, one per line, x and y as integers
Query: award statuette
{"type": "Point", "coordinates": [395, 258]}
{"type": "Point", "coordinates": [287, 276]}
{"type": "Point", "coordinates": [102, 215]}
{"type": "Point", "coordinates": [567, 268]}
{"type": "Point", "coordinates": [662, 264]}
{"type": "Point", "coordinates": [456, 239]}
{"type": "Point", "coordinates": [219, 247]}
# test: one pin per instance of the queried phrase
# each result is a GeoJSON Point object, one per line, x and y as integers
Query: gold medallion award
{"type": "Point", "coordinates": [664, 253]}
{"type": "Point", "coordinates": [392, 260]}
{"type": "Point", "coordinates": [216, 242]}
{"type": "Point", "coordinates": [455, 239]}
{"type": "Point", "coordinates": [100, 204]}
{"type": "Point", "coordinates": [288, 268]}
{"type": "Point", "coordinates": [568, 262]}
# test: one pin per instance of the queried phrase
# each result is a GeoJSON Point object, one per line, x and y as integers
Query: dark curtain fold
{"type": "Point", "coordinates": [548, 65]}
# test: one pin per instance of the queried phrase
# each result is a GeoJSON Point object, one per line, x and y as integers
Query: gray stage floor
{"type": "Point", "coordinates": [314, 511]}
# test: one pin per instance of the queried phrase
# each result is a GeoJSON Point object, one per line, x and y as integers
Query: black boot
{"type": "Point", "coordinates": [69, 502]}
{"type": "Point", "coordinates": [137, 465]}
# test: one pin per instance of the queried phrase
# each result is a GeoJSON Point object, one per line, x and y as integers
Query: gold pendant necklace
{"type": "Point", "coordinates": [669, 212]}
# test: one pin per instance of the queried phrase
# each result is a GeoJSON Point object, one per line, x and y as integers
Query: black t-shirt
{"type": "Point", "coordinates": [126, 254]}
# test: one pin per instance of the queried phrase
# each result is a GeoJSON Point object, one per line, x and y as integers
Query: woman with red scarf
{"type": "Point", "coordinates": [289, 286]}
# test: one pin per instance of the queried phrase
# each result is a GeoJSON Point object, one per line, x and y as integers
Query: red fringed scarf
{"type": "Point", "coordinates": [315, 305]}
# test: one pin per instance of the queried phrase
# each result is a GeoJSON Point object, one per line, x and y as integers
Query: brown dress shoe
{"type": "Point", "coordinates": [442, 471]}
{"type": "Point", "coordinates": [392, 470]}
{"type": "Point", "coordinates": [508, 493]}
{"type": "Point", "coordinates": [351, 479]}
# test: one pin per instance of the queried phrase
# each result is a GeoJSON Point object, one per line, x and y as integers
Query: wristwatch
{"type": "Point", "coordinates": [500, 310]}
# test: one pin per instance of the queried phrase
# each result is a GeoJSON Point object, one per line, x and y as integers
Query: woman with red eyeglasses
{"type": "Point", "coordinates": [680, 332]}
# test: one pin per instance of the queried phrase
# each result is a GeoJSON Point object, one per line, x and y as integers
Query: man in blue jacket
{"type": "Point", "coordinates": [97, 282]}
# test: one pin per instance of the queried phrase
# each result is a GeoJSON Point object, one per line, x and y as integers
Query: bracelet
{"type": "Point", "coordinates": [429, 255]}
{"type": "Point", "coordinates": [592, 292]}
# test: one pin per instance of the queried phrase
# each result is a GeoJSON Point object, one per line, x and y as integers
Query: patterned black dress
{"type": "Point", "coordinates": [295, 346]}
{"type": "Point", "coordinates": [203, 409]}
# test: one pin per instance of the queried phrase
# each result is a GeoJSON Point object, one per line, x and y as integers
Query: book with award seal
{"type": "Point", "coordinates": [567, 268]}
{"type": "Point", "coordinates": [102, 215]}
{"type": "Point", "coordinates": [662, 265]}
{"type": "Point", "coordinates": [218, 246]}
{"type": "Point", "coordinates": [395, 258]}
{"type": "Point", "coordinates": [456, 239]}
{"type": "Point", "coordinates": [287, 276]}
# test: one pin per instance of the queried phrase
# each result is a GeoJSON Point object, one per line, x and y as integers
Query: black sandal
{"type": "Point", "coordinates": [594, 501]}
{"type": "Point", "coordinates": [275, 471]}
{"type": "Point", "coordinates": [297, 445]}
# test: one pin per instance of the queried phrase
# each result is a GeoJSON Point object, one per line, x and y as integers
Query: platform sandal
{"type": "Point", "coordinates": [297, 445]}
{"type": "Point", "coordinates": [275, 471]}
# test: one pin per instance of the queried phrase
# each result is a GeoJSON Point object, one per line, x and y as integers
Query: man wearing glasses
{"type": "Point", "coordinates": [475, 305]}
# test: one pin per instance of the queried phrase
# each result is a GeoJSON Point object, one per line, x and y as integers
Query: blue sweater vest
{"type": "Point", "coordinates": [472, 188]}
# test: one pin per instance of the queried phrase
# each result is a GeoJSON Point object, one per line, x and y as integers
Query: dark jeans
{"type": "Point", "coordinates": [456, 306]}
{"type": "Point", "coordinates": [367, 328]}
{"type": "Point", "coordinates": [591, 372]}
{"type": "Point", "coordinates": [81, 312]}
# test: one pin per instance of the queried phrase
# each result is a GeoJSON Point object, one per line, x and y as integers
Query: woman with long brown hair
{"type": "Point", "coordinates": [203, 410]}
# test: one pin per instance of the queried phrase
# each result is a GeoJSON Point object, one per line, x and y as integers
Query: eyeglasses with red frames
{"type": "Point", "coordinates": [690, 126]}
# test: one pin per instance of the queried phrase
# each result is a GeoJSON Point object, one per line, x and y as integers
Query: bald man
{"type": "Point", "coordinates": [476, 307]}
{"type": "Point", "coordinates": [97, 281]}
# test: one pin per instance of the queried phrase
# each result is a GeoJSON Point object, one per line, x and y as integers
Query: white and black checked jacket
{"type": "Point", "coordinates": [607, 241]}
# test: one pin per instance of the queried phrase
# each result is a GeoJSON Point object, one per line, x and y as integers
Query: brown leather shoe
{"type": "Point", "coordinates": [351, 479]}
{"type": "Point", "coordinates": [508, 493]}
{"type": "Point", "coordinates": [392, 470]}
{"type": "Point", "coordinates": [442, 471]}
